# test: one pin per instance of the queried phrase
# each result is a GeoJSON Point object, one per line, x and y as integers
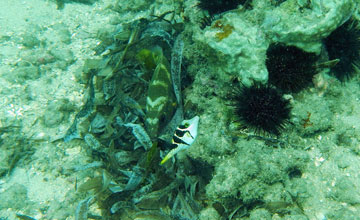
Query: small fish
{"type": "Point", "coordinates": [24, 217]}
{"type": "Point", "coordinates": [327, 64]}
{"type": "Point", "coordinates": [184, 136]}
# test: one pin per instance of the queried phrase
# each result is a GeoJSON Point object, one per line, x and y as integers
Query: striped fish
{"type": "Point", "coordinates": [160, 101]}
{"type": "Point", "coordinates": [184, 136]}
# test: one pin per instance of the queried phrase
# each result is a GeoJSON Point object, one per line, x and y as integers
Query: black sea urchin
{"type": "Point", "coordinates": [344, 44]}
{"type": "Point", "coordinates": [290, 68]}
{"type": "Point", "coordinates": [219, 6]}
{"type": "Point", "coordinates": [262, 108]}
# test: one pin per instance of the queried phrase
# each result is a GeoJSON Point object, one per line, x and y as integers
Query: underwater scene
{"type": "Point", "coordinates": [180, 110]}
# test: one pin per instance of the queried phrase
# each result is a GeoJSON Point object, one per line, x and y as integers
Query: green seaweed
{"type": "Point", "coordinates": [72, 132]}
{"type": "Point", "coordinates": [114, 116]}
{"type": "Point", "coordinates": [147, 58]}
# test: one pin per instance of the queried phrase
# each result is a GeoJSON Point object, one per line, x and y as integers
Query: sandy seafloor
{"type": "Point", "coordinates": [41, 51]}
{"type": "Point", "coordinates": [38, 183]}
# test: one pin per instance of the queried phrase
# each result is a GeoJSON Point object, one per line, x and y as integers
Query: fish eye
{"type": "Point", "coordinates": [186, 125]}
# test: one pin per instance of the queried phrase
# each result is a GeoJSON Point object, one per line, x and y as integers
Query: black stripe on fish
{"type": "Point", "coordinates": [183, 126]}
{"type": "Point", "coordinates": [180, 133]}
{"type": "Point", "coordinates": [177, 140]}
{"type": "Point", "coordinates": [173, 146]}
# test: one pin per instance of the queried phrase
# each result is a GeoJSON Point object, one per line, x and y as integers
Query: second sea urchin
{"type": "Point", "coordinates": [290, 68]}
{"type": "Point", "coordinates": [219, 6]}
{"type": "Point", "coordinates": [262, 108]}
{"type": "Point", "coordinates": [344, 44]}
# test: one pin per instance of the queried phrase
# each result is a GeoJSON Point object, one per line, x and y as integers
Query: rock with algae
{"type": "Point", "coordinates": [250, 172]}
{"type": "Point", "coordinates": [239, 44]}
{"type": "Point", "coordinates": [305, 26]}
{"type": "Point", "coordinates": [15, 197]}
{"type": "Point", "coordinates": [240, 38]}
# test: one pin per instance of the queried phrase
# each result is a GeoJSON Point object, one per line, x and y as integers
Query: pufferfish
{"type": "Point", "coordinates": [184, 136]}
